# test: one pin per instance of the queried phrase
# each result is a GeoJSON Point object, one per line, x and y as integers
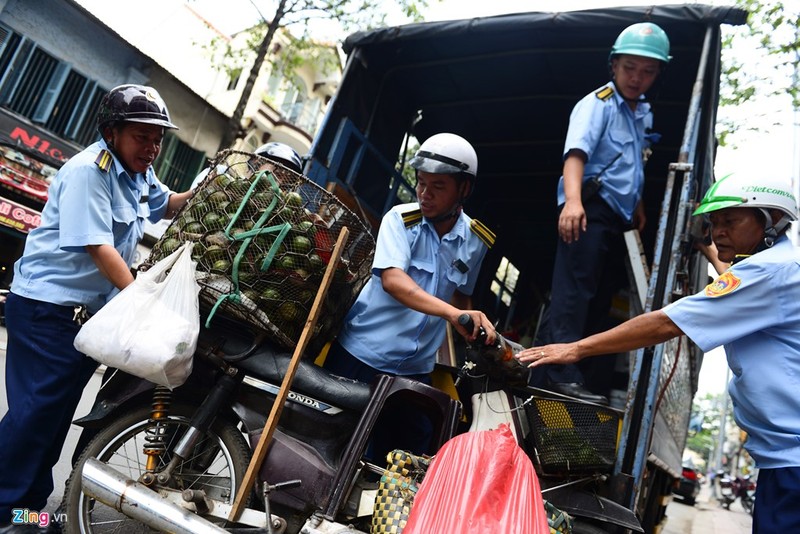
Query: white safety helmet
{"type": "Point", "coordinates": [446, 153]}
{"type": "Point", "coordinates": [740, 192]}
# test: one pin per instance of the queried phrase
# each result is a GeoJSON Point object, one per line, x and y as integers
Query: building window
{"type": "Point", "coordinates": [233, 78]}
{"type": "Point", "coordinates": [294, 101]}
{"type": "Point", "coordinates": [505, 282]}
{"type": "Point", "coordinates": [47, 91]}
{"type": "Point", "coordinates": [178, 163]}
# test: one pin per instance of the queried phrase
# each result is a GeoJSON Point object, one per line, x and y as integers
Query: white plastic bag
{"type": "Point", "coordinates": [150, 328]}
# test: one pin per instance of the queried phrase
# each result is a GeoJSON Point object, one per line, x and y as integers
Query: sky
{"type": "Point", "coordinates": [770, 150]}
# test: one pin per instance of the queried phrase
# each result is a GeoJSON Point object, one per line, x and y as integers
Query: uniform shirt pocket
{"type": "Point", "coordinates": [620, 134]}
{"type": "Point", "coordinates": [421, 270]}
{"type": "Point", "coordinates": [124, 217]}
{"type": "Point", "coordinates": [455, 275]}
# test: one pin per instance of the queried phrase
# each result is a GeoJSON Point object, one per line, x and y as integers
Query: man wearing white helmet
{"type": "Point", "coordinates": [427, 258]}
{"type": "Point", "coordinates": [600, 197]}
{"type": "Point", "coordinates": [753, 310]}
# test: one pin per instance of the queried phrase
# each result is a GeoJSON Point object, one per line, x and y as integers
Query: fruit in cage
{"type": "Point", "coordinates": [216, 198]}
{"type": "Point", "coordinates": [316, 263]}
{"type": "Point", "coordinates": [222, 180]}
{"type": "Point", "coordinates": [213, 253]}
{"type": "Point", "coordinates": [213, 220]}
{"type": "Point", "coordinates": [293, 199]}
{"type": "Point", "coordinates": [221, 267]}
{"type": "Point", "coordinates": [262, 198]}
{"type": "Point", "coordinates": [270, 298]}
{"type": "Point", "coordinates": [288, 311]}
{"type": "Point", "coordinates": [288, 261]}
{"type": "Point", "coordinates": [193, 228]}
{"type": "Point", "coordinates": [170, 245]}
{"type": "Point", "coordinates": [301, 244]}
{"type": "Point", "coordinates": [305, 227]}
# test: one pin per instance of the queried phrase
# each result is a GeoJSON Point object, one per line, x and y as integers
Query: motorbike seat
{"type": "Point", "coordinates": [267, 361]}
{"type": "Point", "coordinates": [309, 379]}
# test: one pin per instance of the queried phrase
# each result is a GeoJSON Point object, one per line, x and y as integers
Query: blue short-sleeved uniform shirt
{"type": "Point", "coordinates": [86, 206]}
{"type": "Point", "coordinates": [603, 126]}
{"type": "Point", "coordinates": [753, 310]}
{"type": "Point", "coordinates": [382, 332]}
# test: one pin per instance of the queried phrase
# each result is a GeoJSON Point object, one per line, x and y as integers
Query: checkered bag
{"type": "Point", "coordinates": [396, 491]}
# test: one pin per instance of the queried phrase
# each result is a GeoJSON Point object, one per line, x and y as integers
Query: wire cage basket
{"type": "Point", "coordinates": [571, 436]}
{"type": "Point", "coordinates": [264, 236]}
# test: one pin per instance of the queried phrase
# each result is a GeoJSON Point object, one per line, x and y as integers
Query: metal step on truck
{"type": "Point", "coordinates": [507, 84]}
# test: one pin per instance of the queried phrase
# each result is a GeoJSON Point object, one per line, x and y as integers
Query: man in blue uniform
{"type": "Point", "coordinates": [753, 310]}
{"type": "Point", "coordinates": [427, 258]}
{"type": "Point", "coordinates": [600, 196]}
{"type": "Point", "coordinates": [73, 264]}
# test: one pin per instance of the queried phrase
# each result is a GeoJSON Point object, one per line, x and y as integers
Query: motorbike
{"type": "Point", "coordinates": [175, 460]}
{"type": "Point", "coordinates": [731, 488]}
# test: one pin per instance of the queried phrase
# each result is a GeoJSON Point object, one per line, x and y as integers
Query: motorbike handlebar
{"type": "Point", "coordinates": [469, 325]}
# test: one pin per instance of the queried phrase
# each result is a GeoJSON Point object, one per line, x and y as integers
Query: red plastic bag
{"type": "Point", "coordinates": [479, 482]}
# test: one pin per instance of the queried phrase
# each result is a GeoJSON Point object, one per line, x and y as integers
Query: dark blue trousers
{"type": "Point", "coordinates": [398, 427]}
{"type": "Point", "coordinates": [777, 507]}
{"type": "Point", "coordinates": [45, 377]}
{"type": "Point", "coordinates": [586, 275]}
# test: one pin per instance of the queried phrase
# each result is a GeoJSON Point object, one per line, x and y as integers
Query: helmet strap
{"type": "Point", "coordinates": [772, 231]}
{"type": "Point", "coordinates": [452, 214]}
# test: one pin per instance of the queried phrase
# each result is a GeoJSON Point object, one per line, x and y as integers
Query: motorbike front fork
{"type": "Point", "coordinates": [157, 433]}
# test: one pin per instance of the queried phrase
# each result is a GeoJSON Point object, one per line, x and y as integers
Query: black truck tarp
{"type": "Point", "coordinates": [507, 84]}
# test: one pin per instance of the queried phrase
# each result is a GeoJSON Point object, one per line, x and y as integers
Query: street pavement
{"type": "Point", "coordinates": [705, 517]}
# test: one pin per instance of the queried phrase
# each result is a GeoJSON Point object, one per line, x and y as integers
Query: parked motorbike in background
{"type": "Point", "coordinates": [732, 488]}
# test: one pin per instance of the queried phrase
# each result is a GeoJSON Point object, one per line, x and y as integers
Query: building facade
{"type": "Point", "coordinates": [56, 62]}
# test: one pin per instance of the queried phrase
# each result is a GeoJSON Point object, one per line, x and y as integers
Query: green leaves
{"type": "Point", "coordinates": [760, 63]}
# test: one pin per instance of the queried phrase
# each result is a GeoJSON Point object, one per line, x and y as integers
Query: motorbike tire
{"type": "Point", "coordinates": [224, 456]}
{"type": "Point", "coordinates": [747, 504]}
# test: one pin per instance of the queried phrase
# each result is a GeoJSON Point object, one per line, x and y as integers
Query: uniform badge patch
{"type": "Point", "coordinates": [725, 284]}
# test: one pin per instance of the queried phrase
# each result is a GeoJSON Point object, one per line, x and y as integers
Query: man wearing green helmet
{"type": "Point", "coordinates": [753, 311]}
{"type": "Point", "coordinates": [600, 197]}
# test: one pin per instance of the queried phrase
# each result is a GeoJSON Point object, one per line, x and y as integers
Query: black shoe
{"type": "Point", "coordinates": [574, 389]}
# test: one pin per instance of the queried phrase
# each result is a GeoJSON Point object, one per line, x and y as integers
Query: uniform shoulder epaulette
{"type": "Point", "coordinates": [412, 217]}
{"type": "Point", "coordinates": [482, 231]}
{"type": "Point", "coordinates": [104, 160]}
{"type": "Point", "coordinates": [604, 93]}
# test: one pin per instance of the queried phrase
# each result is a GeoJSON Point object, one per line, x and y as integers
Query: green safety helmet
{"type": "Point", "coordinates": [642, 39]}
{"type": "Point", "coordinates": [735, 191]}
{"type": "Point", "coordinates": [769, 193]}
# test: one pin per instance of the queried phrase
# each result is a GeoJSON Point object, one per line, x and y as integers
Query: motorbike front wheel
{"type": "Point", "coordinates": [217, 465]}
{"type": "Point", "coordinates": [747, 504]}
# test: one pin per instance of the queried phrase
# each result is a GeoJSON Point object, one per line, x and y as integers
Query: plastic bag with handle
{"type": "Point", "coordinates": [150, 328]}
{"type": "Point", "coordinates": [479, 482]}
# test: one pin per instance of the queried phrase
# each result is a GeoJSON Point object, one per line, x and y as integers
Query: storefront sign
{"type": "Point", "coordinates": [17, 132]}
{"type": "Point", "coordinates": [18, 217]}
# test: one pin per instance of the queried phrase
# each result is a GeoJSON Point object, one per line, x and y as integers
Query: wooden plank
{"type": "Point", "coordinates": [277, 407]}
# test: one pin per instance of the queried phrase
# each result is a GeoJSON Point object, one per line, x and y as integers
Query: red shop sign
{"type": "Point", "coordinates": [18, 217]}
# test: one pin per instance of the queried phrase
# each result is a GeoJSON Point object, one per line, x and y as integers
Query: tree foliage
{"type": "Point", "coordinates": [760, 64]}
{"type": "Point", "coordinates": [301, 18]}
{"type": "Point", "coordinates": [705, 424]}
